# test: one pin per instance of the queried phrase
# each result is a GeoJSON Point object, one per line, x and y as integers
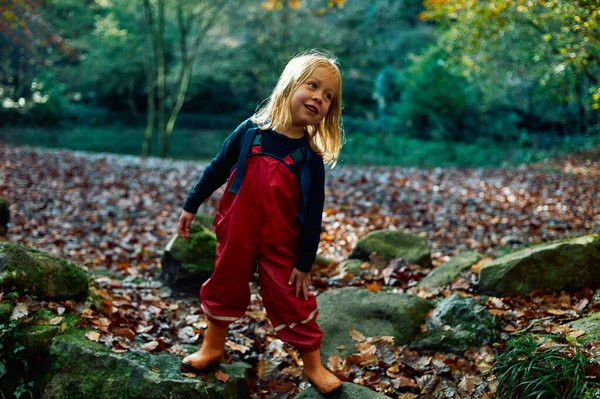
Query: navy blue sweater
{"type": "Point", "coordinates": [218, 171]}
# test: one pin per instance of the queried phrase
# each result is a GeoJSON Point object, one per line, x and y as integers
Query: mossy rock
{"type": "Point", "coordinates": [447, 272]}
{"type": "Point", "coordinates": [456, 325]}
{"type": "Point", "coordinates": [569, 264]}
{"type": "Point", "coordinates": [6, 309]}
{"type": "Point", "coordinates": [4, 214]}
{"type": "Point", "coordinates": [37, 273]}
{"type": "Point", "coordinates": [189, 262]}
{"type": "Point", "coordinates": [591, 326]}
{"type": "Point", "coordinates": [99, 373]}
{"type": "Point", "coordinates": [393, 244]}
{"type": "Point", "coordinates": [204, 219]}
{"type": "Point", "coordinates": [349, 391]}
{"type": "Point", "coordinates": [371, 313]}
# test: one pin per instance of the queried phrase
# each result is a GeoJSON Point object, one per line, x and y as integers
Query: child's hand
{"type": "Point", "coordinates": [302, 282]}
{"type": "Point", "coordinates": [185, 224]}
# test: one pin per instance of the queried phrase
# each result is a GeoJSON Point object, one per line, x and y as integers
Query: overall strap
{"type": "Point", "coordinates": [241, 165]}
{"type": "Point", "coordinates": [305, 181]}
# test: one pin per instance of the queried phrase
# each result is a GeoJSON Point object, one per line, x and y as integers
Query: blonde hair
{"type": "Point", "coordinates": [326, 137]}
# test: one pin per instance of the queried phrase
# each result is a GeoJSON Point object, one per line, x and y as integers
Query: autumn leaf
{"type": "Point", "coordinates": [150, 346]}
{"type": "Point", "coordinates": [19, 311]}
{"type": "Point", "coordinates": [374, 287]}
{"type": "Point", "coordinates": [356, 335]}
{"type": "Point", "coordinates": [334, 363]}
{"type": "Point", "coordinates": [237, 347]}
{"type": "Point", "coordinates": [92, 336]}
{"type": "Point", "coordinates": [222, 376]}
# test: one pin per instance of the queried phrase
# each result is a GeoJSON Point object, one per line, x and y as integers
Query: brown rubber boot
{"type": "Point", "coordinates": [324, 382]}
{"type": "Point", "coordinates": [213, 348]}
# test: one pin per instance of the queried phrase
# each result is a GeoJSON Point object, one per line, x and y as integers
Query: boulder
{"type": "Point", "coordinates": [4, 214]}
{"type": "Point", "coordinates": [6, 309]}
{"type": "Point", "coordinates": [591, 326]}
{"type": "Point", "coordinates": [371, 313]}
{"type": "Point", "coordinates": [456, 325]}
{"type": "Point", "coordinates": [350, 391]}
{"type": "Point", "coordinates": [37, 273]}
{"type": "Point", "coordinates": [188, 262]}
{"type": "Point", "coordinates": [447, 272]}
{"type": "Point", "coordinates": [102, 374]}
{"type": "Point", "coordinates": [569, 264]}
{"type": "Point", "coordinates": [393, 244]}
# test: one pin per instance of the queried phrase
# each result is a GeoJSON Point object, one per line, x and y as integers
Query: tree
{"type": "Point", "coordinates": [193, 21]}
{"type": "Point", "coordinates": [547, 44]}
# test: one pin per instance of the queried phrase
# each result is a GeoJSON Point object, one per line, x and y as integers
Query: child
{"type": "Point", "coordinates": [270, 214]}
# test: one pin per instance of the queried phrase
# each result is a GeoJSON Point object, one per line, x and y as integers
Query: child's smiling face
{"type": "Point", "coordinates": [311, 101]}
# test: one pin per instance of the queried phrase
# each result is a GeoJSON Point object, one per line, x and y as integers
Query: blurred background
{"type": "Point", "coordinates": [425, 83]}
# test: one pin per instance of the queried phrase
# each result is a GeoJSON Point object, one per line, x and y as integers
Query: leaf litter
{"type": "Point", "coordinates": [112, 213]}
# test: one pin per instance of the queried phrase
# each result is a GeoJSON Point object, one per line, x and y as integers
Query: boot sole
{"type": "Point", "coordinates": [334, 393]}
{"type": "Point", "coordinates": [190, 368]}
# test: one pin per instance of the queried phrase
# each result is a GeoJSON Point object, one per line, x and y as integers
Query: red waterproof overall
{"type": "Point", "coordinates": [257, 223]}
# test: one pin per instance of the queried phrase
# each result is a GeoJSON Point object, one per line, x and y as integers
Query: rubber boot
{"type": "Point", "coordinates": [324, 382]}
{"type": "Point", "coordinates": [212, 350]}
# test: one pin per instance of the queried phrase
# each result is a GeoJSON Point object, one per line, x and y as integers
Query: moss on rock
{"type": "Point", "coordinates": [569, 264]}
{"type": "Point", "coordinates": [349, 391]}
{"type": "Point", "coordinates": [196, 253]}
{"type": "Point", "coordinates": [41, 274]}
{"type": "Point", "coordinates": [6, 309]}
{"type": "Point", "coordinates": [393, 244]}
{"type": "Point", "coordinates": [446, 273]}
{"type": "Point", "coordinates": [101, 374]}
{"type": "Point", "coordinates": [591, 326]}
{"type": "Point", "coordinates": [371, 313]}
{"type": "Point", "coordinates": [456, 325]}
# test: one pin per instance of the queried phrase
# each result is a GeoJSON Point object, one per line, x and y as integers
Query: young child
{"type": "Point", "coordinates": [271, 212]}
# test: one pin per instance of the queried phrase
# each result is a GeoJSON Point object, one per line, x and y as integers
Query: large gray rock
{"type": "Point", "coordinates": [393, 244]}
{"type": "Point", "coordinates": [591, 326]}
{"type": "Point", "coordinates": [456, 325]}
{"type": "Point", "coordinates": [569, 264]}
{"type": "Point", "coordinates": [46, 276]}
{"type": "Point", "coordinates": [4, 214]}
{"type": "Point", "coordinates": [349, 391]}
{"type": "Point", "coordinates": [446, 273]}
{"type": "Point", "coordinates": [371, 313]}
{"type": "Point", "coordinates": [79, 368]}
{"type": "Point", "coordinates": [188, 262]}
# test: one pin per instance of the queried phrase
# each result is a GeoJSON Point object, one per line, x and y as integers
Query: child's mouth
{"type": "Point", "coordinates": [312, 109]}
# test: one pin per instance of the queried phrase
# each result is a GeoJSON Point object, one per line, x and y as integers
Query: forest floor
{"type": "Point", "coordinates": [116, 213]}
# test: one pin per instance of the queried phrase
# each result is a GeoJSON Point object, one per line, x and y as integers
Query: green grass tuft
{"type": "Point", "coordinates": [531, 370]}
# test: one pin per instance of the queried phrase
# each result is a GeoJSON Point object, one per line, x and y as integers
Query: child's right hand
{"type": "Point", "coordinates": [185, 224]}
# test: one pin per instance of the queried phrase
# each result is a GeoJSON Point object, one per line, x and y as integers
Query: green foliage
{"type": "Point", "coordinates": [436, 101]}
{"type": "Point", "coordinates": [542, 370]}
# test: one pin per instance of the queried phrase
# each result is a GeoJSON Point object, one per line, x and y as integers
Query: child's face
{"type": "Point", "coordinates": [310, 102]}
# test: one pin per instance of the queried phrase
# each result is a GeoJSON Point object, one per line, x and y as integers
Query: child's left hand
{"type": "Point", "coordinates": [302, 282]}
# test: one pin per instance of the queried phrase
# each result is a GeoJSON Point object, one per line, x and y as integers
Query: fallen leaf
{"type": "Point", "coordinates": [92, 336]}
{"type": "Point", "coordinates": [374, 287]}
{"type": "Point", "coordinates": [150, 346]}
{"type": "Point", "coordinates": [357, 336]}
{"type": "Point", "coordinates": [576, 334]}
{"type": "Point", "coordinates": [19, 311]}
{"type": "Point", "coordinates": [237, 347]}
{"type": "Point", "coordinates": [222, 376]}
{"type": "Point", "coordinates": [335, 363]}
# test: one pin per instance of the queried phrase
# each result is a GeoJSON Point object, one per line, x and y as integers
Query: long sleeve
{"type": "Point", "coordinates": [310, 232]}
{"type": "Point", "coordinates": [217, 172]}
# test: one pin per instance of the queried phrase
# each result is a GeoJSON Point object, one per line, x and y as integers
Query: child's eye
{"type": "Point", "coordinates": [312, 84]}
{"type": "Point", "coordinates": [329, 96]}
